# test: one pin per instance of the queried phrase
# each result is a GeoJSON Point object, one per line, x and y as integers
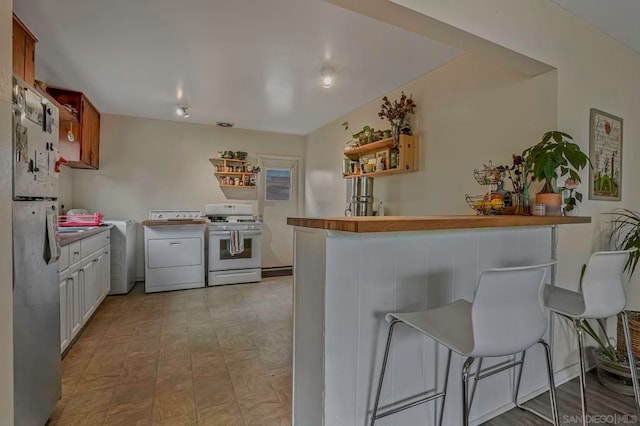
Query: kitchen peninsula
{"type": "Point", "coordinates": [350, 271]}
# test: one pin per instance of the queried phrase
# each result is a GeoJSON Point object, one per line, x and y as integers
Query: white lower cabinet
{"type": "Point", "coordinates": [83, 286]}
{"type": "Point", "coordinates": [76, 301]}
{"type": "Point", "coordinates": [65, 323]}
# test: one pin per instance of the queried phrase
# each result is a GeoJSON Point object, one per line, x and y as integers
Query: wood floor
{"type": "Point", "coordinates": [219, 356]}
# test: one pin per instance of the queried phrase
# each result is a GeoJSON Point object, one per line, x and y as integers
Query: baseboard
{"type": "Point", "coordinates": [281, 271]}
{"type": "Point", "coordinates": [560, 377]}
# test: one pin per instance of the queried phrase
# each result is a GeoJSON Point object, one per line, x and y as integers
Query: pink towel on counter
{"type": "Point", "coordinates": [236, 245]}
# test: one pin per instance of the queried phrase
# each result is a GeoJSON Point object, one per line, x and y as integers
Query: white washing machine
{"type": "Point", "coordinates": [174, 250]}
{"type": "Point", "coordinates": [123, 256]}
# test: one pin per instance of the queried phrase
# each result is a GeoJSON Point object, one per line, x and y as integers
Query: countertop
{"type": "Point", "coordinates": [72, 237]}
{"type": "Point", "coordinates": [361, 224]}
{"type": "Point", "coordinates": [174, 222]}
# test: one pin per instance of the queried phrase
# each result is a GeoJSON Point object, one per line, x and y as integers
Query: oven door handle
{"type": "Point", "coordinates": [244, 233]}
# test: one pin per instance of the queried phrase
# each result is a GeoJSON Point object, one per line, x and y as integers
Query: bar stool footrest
{"type": "Point", "coordinates": [409, 405]}
{"type": "Point", "coordinates": [535, 413]}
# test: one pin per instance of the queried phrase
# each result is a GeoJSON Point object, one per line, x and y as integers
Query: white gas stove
{"type": "Point", "coordinates": [240, 262]}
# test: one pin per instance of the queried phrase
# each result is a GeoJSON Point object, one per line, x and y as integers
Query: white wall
{"type": "Point", "coordinates": [65, 191]}
{"type": "Point", "coordinates": [470, 111]}
{"type": "Point", "coordinates": [150, 164]}
{"type": "Point", "coordinates": [6, 260]}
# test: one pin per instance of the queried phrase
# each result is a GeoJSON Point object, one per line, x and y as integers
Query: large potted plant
{"type": "Point", "coordinates": [553, 157]}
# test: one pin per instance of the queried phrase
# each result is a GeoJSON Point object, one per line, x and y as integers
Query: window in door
{"type": "Point", "coordinates": [277, 184]}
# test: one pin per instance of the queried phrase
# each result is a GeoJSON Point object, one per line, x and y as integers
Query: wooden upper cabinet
{"type": "Point", "coordinates": [24, 51]}
{"type": "Point", "coordinates": [84, 151]}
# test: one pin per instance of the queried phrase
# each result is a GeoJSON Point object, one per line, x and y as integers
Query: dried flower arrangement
{"type": "Point", "coordinates": [398, 112]}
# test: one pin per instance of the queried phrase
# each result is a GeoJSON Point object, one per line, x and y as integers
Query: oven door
{"type": "Point", "coordinates": [220, 259]}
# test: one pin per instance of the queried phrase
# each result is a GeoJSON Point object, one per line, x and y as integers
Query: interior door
{"type": "Point", "coordinates": [278, 198]}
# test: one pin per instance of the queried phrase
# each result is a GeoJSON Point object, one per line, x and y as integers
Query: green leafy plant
{"type": "Point", "coordinates": [367, 135]}
{"type": "Point", "coordinates": [553, 157]}
{"type": "Point", "coordinates": [626, 235]}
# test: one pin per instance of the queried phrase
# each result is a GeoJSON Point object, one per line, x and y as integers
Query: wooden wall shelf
{"type": "Point", "coordinates": [407, 157]}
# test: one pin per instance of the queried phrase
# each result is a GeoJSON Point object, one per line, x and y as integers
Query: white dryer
{"type": "Point", "coordinates": [174, 250]}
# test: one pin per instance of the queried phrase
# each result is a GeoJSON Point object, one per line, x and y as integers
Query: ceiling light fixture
{"type": "Point", "coordinates": [183, 111]}
{"type": "Point", "coordinates": [224, 124]}
{"type": "Point", "coordinates": [328, 77]}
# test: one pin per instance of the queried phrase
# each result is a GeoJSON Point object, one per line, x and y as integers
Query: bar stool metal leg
{"type": "Point", "coordinates": [552, 384]}
{"type": "Point", "coordinates": [446, 387]}
{"type": "Point", "coordinates": [552, 387]}
{"type": "Point", "coordinates": [476, 379]}
{"type": "Point", "coordinates": [632, 360]}
{"type": "Point", "coordinates": [583, 392]}
{"type": "Point", "coordinates": [384, 367]}
{"type": "Point", "coordinates": [465, 391]}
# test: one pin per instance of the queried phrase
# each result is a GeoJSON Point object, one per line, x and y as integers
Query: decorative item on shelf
{"type": "Point", "coordinates": [220, 154]}
{"type": "Point", "coordinates": [382, 160]}
{"type": "Point", "coordinates": [492, 202]}
{"type": "Point", "coordinates": [398, 113]}
{"type": "Point", "coordinates": [553, 157]}
{"type": "Point", "coordinates": [241, 155]}
{"type": "Point", "coordinates": [229, 155]}
{"type": "Point", "coordinates": [517, 174]}
{"type": "Point", "coordinates": [570, 198]}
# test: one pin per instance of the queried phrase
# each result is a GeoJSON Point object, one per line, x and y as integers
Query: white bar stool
{"type": "Point", "coordinates": [507, 317]}
{"type": "Point", "coordinates": [602, 296]}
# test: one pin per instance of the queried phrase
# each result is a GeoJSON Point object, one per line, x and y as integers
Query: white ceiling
{"type": "Point", "coordinates": [255, 63]}
{"type": "Point", "coordinates": [617, 18]}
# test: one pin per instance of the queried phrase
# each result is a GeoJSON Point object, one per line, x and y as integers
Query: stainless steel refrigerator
{"type": "Point", "coordinates": [36, 295]}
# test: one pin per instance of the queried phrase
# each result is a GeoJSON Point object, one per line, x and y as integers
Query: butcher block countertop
{"type": "Point", "coordinates": [363, 224]}
{"type": "Point", "coordinates": [174, 222]}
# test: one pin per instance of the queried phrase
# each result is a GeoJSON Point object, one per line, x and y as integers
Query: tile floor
{"type": "Point", "coordinates": [212, 356]}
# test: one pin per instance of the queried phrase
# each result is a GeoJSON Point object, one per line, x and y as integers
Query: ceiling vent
{"type": "Point", "coordinates": [224, 124]}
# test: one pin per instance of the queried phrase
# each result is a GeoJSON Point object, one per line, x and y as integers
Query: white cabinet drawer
{"type": "Point", "coordinates": [172, 252]}
{"type": "Point", "coordinates": [75, 254]}
{"type": "Point", "coordinates": [92, 244]}
{"type": "Point", "coordinates": [63, 260]}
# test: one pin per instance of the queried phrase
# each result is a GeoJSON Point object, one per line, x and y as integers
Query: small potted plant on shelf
{"type": "Point", "coordinates": [398, 113]}
{"type": "Point", "coordinates": [367, 135]}
{"type": "Point", "coordinates": [553, 157]}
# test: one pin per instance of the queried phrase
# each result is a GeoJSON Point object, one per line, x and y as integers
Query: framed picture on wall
{"type": "Point", "coordinates": [605, 152]}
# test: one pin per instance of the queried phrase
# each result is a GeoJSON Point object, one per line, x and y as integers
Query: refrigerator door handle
{"type": "Point", "coordinates": [52, 251]}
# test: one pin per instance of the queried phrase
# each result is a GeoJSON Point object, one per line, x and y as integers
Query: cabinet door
{"type": "Point", "coordinates": [104, 273]}
{"type": "Point", "coordinates": [107, 271]}
{"type": "Point", "coordinates": [29, 61]}
{"type": "Point", "coordinates": [19, 38]}
{"type": "Point", "coordinates": [86, 140]}
{"type": "Point", "coordinates": [88, 289]}
{"type": "Point", "coordinates": [75, 302]}
{"type": "Point", "coordinates": [64, 313]}
{"type": "Point", "coordinates": [95, 159]}
{"type": "Point", "coordinates": [100, 279]}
